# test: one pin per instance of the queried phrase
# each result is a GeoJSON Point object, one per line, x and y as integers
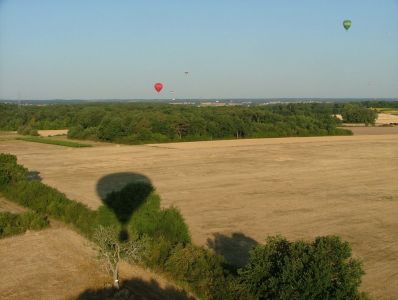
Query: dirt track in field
{"type": "Point", "coordinates": [297, 187]}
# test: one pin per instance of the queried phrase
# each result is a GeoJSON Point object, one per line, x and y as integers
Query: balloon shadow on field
{"type": "Point", "coordinates": [234, 248]}
{"type": "Point", "coordinates": [123, 193]}
{"type": "Point", "coordinates": [136, 288]}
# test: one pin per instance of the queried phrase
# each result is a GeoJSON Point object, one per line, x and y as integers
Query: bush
{"type": "Point", "coordinates": [159, 250]}
{"type": "Point", "coordinates": [28, 130]}
{"type": "Point", "coordinates": [322, 269]}
{"type": "Point", "coordinates": [358, 114]}
{"type": "Point", "coordinates": [149, 220]}
{"type": "Point", "coordinates": [199, 268]}
{"type": "Point", "coordinates": [11, 224]}
{"type": "Point", "coordinates": [10, 171]}
{"type": "Point", "coordinates": [155, 222]}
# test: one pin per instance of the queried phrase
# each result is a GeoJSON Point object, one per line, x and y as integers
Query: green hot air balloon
{"type": "Point", "coordinates": [347, 24]}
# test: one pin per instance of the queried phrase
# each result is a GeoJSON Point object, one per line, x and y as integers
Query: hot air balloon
{"type": "Point", "coordinates": [158, 86]}
{"type": "Point", "coordinates": [347, 24]}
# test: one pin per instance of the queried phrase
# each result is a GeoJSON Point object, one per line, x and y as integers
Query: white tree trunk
{"type": "Point", "coordinates": [116, 276]}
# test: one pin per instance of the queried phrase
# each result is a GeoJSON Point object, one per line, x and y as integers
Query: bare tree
{"type": "Point", "coordinates": [111, 250]}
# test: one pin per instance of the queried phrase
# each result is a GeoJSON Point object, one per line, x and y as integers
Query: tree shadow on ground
{"type": "Point", "coordinates": [135, 289]}
{"type": "Point", "coordinates": [124, 193]}
{"type": "Point", "coordinates": [234, 248]}
{"type": "Point", "coordinates": [34, 176]}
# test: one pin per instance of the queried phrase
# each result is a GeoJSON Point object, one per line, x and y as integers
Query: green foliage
{"type": "Point", "coordinates": [6, 158]}
{"type": "Point", "coordinates": [28, 130]}
{"type": "Point", "coordinates": [150, 220]}
{"type": "Point", "coordinates": [385, 104]}
{"type": "Point", "coordinates": [40, 197]}
{"type": "Point", "coordinates": [11, 224]}
{"type": "Point", "coordinates": [200, 269]}
{"type": "Point", "coordinates": [46, 200]}
{"type": "Point", "coordinates": [155, 222]}
{"type": "Point", "coordinates": [358, 114]}
{"type": "Point", "coordinates": [137, 123]}
{"type": "Point", "coordinates": [322, 269]}
{"type": "Point", "coordinates": [53, 142]}
{"type": "Point", "coordinates": [126, 201]}
{"type": "Point", "coordinates": [159, 250]}
{"type": "Point", "coordinates": [10, 171]}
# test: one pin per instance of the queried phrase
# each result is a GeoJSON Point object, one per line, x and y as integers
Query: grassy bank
{"type": "Point", "coordinates": [37, 139]}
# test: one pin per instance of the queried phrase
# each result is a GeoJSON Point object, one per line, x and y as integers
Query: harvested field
{"type": "Point", "coordinates": [297, 187]}
{"type": "Point", "coordinates": [49, 264]}
{"type": "Point", "coordinates": [386, 119]}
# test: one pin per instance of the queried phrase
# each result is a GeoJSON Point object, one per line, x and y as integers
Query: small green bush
{"type": "Point", "coordinates": [10, 171]}
{"type": "Point", "coordinates": [28, 130]}
{"type": "Point", "coordinates": [201, 269]}
{"type": "Point", "coordinates": [155, 222]}
{"type": "Point", "coordinates": [11, 224]}
{"type": "Point", "coordinates": [159, 250]}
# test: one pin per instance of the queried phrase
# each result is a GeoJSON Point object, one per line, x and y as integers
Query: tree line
{"type": "Point", "coordinates": [135, 123]}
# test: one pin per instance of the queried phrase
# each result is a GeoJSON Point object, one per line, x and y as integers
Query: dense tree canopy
{"type": "Point", "coordinates": [358, 114]}
{"type": "Point", "coordinates": [134, 123]}
{"type": "Point", "coordinates": [322, 269]}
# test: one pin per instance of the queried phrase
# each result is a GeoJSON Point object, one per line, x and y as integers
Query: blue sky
{"type": "Point", "coordinates": [232, 49]}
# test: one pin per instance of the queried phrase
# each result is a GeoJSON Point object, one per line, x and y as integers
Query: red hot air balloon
{"type": "Point", "coordinates": [158, 86]}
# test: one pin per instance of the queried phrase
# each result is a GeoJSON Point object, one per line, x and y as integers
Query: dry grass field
{"type": "Point", "coordinates": [49, 264]}
{"type": "Point", "coordinates": [297, 187]}
{"type": "Point", "coordinates": [386, 119]}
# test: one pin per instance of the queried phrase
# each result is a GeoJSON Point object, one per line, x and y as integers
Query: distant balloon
{"type": "Point", "coordinates": [158, 86]}
{"type": "Point", "coordinates": [347, 24]}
